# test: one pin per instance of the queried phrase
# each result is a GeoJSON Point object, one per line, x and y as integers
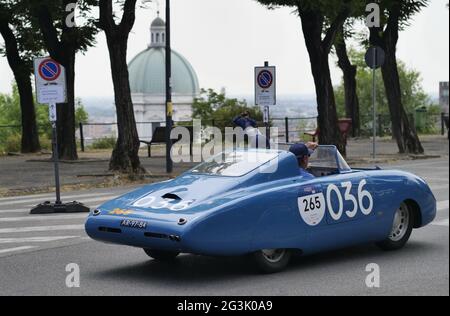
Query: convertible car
{"type": "Point", "coordinates": [254, 202]}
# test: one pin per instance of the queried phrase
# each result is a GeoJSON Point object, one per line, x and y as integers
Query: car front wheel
{"type": "Point", "coordinates": [272, 260]}
{"type": "Point", "coordinates": [161, 255]}
{"type": "Point", "coordinates": [401, 229]}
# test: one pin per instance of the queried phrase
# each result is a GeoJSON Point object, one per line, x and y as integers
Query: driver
{"type": "Point", "coordinates": [303, 151]}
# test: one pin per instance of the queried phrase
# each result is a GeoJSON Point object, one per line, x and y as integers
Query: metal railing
{"type": "Point", "coordinates": [289, 129]}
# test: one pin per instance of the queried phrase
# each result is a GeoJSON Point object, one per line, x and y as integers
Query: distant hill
{"type": "Point", "coordinates": [102, 109]}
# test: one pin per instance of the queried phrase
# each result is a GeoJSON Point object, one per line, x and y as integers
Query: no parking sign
{"type": "Point", "coordinates": [265, 86]}
{"type": "Point", "coordinates": [50, 81]}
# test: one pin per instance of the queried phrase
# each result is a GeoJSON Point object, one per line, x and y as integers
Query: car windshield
{"type": "Point", "coordinates": [328, 157]}
{"type": "Point", "coordinates": [235, 164]}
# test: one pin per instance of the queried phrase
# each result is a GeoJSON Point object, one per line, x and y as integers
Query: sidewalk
{"type": "Point", "coordinates": [34, 173]}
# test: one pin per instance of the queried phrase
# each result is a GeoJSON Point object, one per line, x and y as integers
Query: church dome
{"type": "Point", "coordinates": [158, 22]}
{"type": "Point", "coordinates": [147, 74]}
{"type": "Point", "coordinates": [147, 69]}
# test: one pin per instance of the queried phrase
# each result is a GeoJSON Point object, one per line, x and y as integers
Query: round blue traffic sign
{"type": "Point", "coordinates": [49, 70]}
{"type": "Point", "coordinates": [265, 79]}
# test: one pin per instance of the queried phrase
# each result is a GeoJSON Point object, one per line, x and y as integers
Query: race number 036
{"type": "Point", "coordinates": [363, 195]}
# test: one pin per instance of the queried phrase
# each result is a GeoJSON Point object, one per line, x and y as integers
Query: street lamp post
{"type": "Point", "coordinates": [169, 105]}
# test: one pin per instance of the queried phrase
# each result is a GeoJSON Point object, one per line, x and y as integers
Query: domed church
{"type": "Point", "coordinates": [148, 83]}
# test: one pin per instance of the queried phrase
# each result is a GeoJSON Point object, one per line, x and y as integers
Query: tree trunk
{"type": "Point", "coordinates": [66, 112]}
{"type": "Point", "coordinates": [329, 133]}
{"type": "Point", "coordinates": [63, 51]}
{"type": "Point", "coordinates": [22, 73]}
{"type": "Point", "coordinates": [125, 157]}
{"type": "Point", "coordinates": [403, 130]}
{"type": "Point", "coordinates": [350, 86]}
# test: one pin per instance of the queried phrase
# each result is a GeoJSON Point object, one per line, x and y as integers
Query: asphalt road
{"type": "Point", "coordinates": [35, 250]}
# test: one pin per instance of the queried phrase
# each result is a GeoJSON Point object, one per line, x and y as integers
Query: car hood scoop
{"type": "Point", "coordinates": [191, 189]}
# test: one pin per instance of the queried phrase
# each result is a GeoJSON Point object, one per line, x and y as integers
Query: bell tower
{"type": "Point", "coordinates": [158, 33]}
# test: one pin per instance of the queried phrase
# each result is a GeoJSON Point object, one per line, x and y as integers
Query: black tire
{"type": "Point", "coordinates": [161, 255]}
{"type": "Point", "coordinates": [397, 242]}
{"type": "Point", "coordinates": [267, 265]}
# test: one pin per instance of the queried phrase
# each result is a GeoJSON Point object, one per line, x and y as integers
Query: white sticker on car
{"type": "Point", "coordinates": [153, 203]}
{"type": "Point", "coordinates": [312, 208]}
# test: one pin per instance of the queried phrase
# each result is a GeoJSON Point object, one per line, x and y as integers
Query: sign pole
{"type": "Point", "coordinates": [267, 109]}
{"type": "Point", "coordinates": [169, 104]}
{"type": "Point", "coordinates": [265, 93]}
{"type": "Point", "coordinates": [374, 104]}
{"type": "Point", "coordinates": [51, 89]}
{"type": "Point", "coordinates": [267, 123]}
{"type": "Point", "coordinates": [53, 118]}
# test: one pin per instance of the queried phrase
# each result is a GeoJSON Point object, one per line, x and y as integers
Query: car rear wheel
{"type": "Point", "coordinates": [401, 229]}
{"type": "Point", "coordinates": [272, 260]}
{"type": "Point", "coordinates": [161, 255]}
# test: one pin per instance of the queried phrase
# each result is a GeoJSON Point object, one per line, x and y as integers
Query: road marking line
{"type": "Point", "coordinates": [444, 222]}
{"type": "Point", "coordinates": [96, 200]}
{"type": "Point", "coordinates": [431, 179]}
{"type": "Point", "coordinates": [65, 198]}
{"type": "Point", "coordinates": [442, 206]}
{"type": "Point", "coordinates": [42, 218]}
{"type": "Point", "coordinates": [23, 210]}
{"type": "Point", "coordinates": [25, 197]}
{"type": "Point", "coordinates": [418, 164]}
{"type": "Point", "coordinates": [41, 229]}
{"type": "Point", "coordinates": [27, 210]}
{"type": "Point", "coordinates": [439, 187]}
{"type": "Point", "coordinates": [3, 251]}
{"type": "Point", "coordinates": [34, 239]}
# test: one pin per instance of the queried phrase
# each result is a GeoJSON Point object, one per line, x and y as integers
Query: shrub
{"type": "Point", "coordinates": [104, 143]}
{"type": "Point", "coordinates": [13, 144]}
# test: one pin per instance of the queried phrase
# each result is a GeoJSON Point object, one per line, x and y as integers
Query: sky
{"type": "Point", "coordinates": [225, 39]}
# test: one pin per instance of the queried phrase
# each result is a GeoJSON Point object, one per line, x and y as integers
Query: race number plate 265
{"type": "Point", "coordinates": [312, 208]}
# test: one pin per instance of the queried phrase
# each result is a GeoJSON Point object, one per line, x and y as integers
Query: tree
{"type": "Point", "coordinates": [20, 47]}
{"type": "Point", "coordinates": [63, 41]}
{"type": "Point", "coordinates": [81, 116]}
{"type": "Point", "coordinates": [11, 116]}
{"type": "Point", "coordinates": [125, 157]}
{"type": "Point", "coordinates": [321, 21]}
{"type": "Point", "coordinates": [213, 106]}
{"type": "Point", "coordinates": [349, 71]}
{"type": "Point", "coordinates": [413, 95]}
{"type": "Point", "coordinates": [396, 17]}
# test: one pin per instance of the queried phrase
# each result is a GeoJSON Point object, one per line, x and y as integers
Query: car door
{"type": "Point", "coordinates": [348, 207]}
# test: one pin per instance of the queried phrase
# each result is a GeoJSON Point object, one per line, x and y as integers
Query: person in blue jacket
{"type": "Point", "coordinates": [250, 127]}
{"type": "Point", "coordinates": [303, 151]}
{"type": "Point", "coordinates": [245, 121]}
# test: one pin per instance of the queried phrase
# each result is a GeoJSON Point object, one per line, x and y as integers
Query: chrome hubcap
{"type": "Point", "coordinates": [401, 223]}
{"type": "Point", "coordinates": [273, 255]}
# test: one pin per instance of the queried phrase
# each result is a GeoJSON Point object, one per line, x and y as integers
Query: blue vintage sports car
{"type": "Point", "coordinates": [255, 202]}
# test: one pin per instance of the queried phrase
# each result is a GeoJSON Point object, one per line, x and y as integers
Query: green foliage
{"type": "Point", "coordinates": [11, 116]}
{"type": "Point", "coordinates": [104, 143]}
{"type": "Point", "coordinates": [29, 38]}
{"type": "Point", "coordinates": [82, 36]}
{"type": "Point", "coordinates": [216, 106]}
{"type": "Point", "coordinates": [413, 95]}
{"type": "Point", "coordinates": [81, 116]}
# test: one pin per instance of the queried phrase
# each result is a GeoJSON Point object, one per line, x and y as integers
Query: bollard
{"type": "Point", "coordinates": [286, 121]}
{"type": "Point", "coordinates": [81, 137]}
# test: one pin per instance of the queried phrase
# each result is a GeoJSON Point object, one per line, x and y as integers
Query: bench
{"type": "Point", "coordinates": [345, 126]}
{"type": "Point", "coordinates": [159, 138]}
